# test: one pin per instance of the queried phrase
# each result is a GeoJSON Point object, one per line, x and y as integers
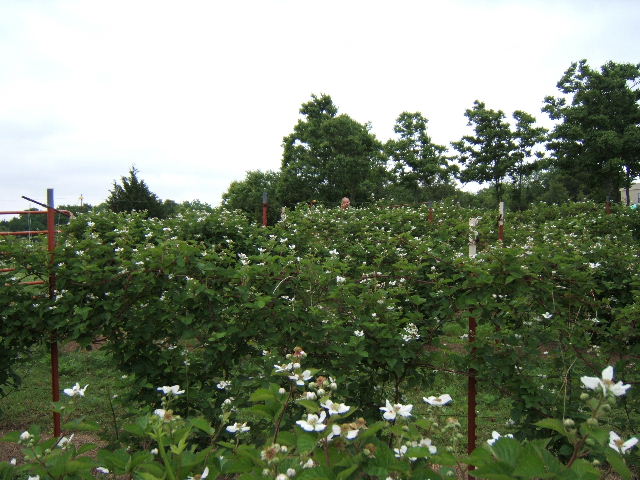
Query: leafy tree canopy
{"type": "Point", "coordinates": [597, 142]}
{"type": "Point", "coordinates": [417, 164]}
{"type": "Point", "coordinates": [134, 195]}
{"type": "Point", "coordinates": [328, 156]}
{"type": "Point", "coordinates": [496, 152]}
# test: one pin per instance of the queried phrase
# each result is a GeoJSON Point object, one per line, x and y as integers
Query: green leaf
{"type": "Point", "coordinates": [618, 464]}
{"type": "Point", "coordinates": [202, 424]}
{"type": "Point", "coordinates": [262, 394]}
{"type": "Point", "coordinates": [507, 450]}
{"type": "Point", "coordinates": [310, 405]}
{"type": "Point", "coordinates": [552, 424]}
{"type": "Point", "coordinates": [305, 442]}
{"type": "Point", "coordinates": [344, 474]}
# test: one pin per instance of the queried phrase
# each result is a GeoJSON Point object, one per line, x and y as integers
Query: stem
{"type": "Point", "coordinates": [113, 415]}
{"type": "Point", "coordinates": [163, 455]}
{"type": "Point", "coordinates": [279, 421]}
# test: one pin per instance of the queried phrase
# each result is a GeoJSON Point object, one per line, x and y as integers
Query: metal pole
{"type": "Point", "coordinates": [472, 382]}
{"type": "Point", "coordinates": [430, 212]}
{"type": "Point", "coordinates": [265, 208]}
{"type": "Point", "coordinates": [53, 345]}
{"type": "Point", "coordinates": [608, 205]}
{"type": "Point", "coordinates": [501, 222]}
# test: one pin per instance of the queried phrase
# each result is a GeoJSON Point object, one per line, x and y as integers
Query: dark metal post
{"type": "Point", "coordinates": [430, 212]}
{"type": "Point", "coordinates": [501, 223]}
{"type": "Point", "coordinates": [608, 205]}
{"type": "Point", "coordinates": [472, 383]}
{"type": "Point", "coordinates": [55, 375]}
{"type": "Point", "coordinates": [265, 208]}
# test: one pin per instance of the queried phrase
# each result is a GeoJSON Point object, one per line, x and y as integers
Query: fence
{"type": "Point", "coordinates": [51, 245]}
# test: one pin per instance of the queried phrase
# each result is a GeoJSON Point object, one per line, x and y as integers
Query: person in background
{"type": "Point", "coordinates": [345, 203]}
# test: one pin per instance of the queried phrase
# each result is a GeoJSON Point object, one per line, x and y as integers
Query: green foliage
{"type": "Point", "coordinates": [329, 156]}
{"type": "Point", "coordinates": [497, 152]}
{"type": "Point", "coordinates": [246, 195]}
{"type": "Point", "coordinates": [419, 167]}
{"type": "Point", "coordinates": [305, 430]}
{"type": "Point", "coordinates": [596, 144]}
{"type": "Point", "coordinates": [134, 195]}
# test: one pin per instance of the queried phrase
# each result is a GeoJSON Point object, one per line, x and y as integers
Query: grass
{"type": "Point", "coordinates": [30, 404]}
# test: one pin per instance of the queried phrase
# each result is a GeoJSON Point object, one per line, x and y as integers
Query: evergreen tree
{"type": "Point", "coordinates": [134, 195]}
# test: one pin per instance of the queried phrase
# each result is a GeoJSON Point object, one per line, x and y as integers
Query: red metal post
{"type": "Point", "coordinates": [55, 374]}
{"type": "Point", "coordinates": [265, 208]}
{"type": "Point", "coordinates": [430, 212]}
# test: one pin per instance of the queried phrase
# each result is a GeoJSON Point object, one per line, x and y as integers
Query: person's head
{"type": "Point", "coordinates": [345, 202]}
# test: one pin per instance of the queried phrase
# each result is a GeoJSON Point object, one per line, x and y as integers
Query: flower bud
{"type": "Point", "coordinates": [369, 450]}
{"type": "Point", "coordinates": [590, 441]}
{"type": "Point", "coordinates": [405, 428]}
{"type": "Point", "coordinates": [592, 421]}
{"type": "Point", "coordinates": [449, 449]}
{"type": "Point", "coordinates": [606, 407]}
{"type": "Point", "coordinates": [584, 396]}
{"type": "Point", "coordinates": [568, 422]}
{"type": "Point", "coordinates": [595, 462]}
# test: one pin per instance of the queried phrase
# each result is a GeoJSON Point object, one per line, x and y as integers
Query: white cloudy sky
{"type": "Point", "coordinates": [195, 93]}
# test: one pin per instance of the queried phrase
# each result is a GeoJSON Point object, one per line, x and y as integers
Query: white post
{"type": "Point", "coordinates": [473, 236]}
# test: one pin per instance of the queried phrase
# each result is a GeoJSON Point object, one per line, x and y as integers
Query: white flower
{"type": "Point", "coordinates": [12, 461]}
{"type": "Point", "coordinates": [547, 315]}
{"type": "Point", "coordinates": [25, 436]}
{"type": "Point", "coordinates": [606, 383]}
{"type": "Point", "coordinates": [161, 412]}
{"type": "Point", "coordinates": [291, 472]}
{"type": "Point", "coordinates": [308, 464]}
{"type": "Point", "coordinates": [310, 395]}
{"type": "Point", "coordinates": [426, 442]}
{"type": "Point", "coordinates": [335, 408]}
{"type": "Point", "coordinates": [438, 401]}
{"type": "Point", "coordinates": [340, 279]}
{"type": "Point", "coordinates": [300, 378]}
{"type": "Point", "coordinates": [238, 427]}
{"type": "Point", "coordinates": [313, 422]}
{"type": "Point", "coordinates": [390, 411]}
{"type": "Point", "coordinates": [223, 384]}
{"type": "Point", "coordinates": [153, 451]}
{"type": "Point", "coordinates": [173, 390]}
{"type": "Point", "coordinates": [281, 476]}
{"type": "Point", "coordinates": [283, 368]}
{"type": "Point", "coordinates": [75, 390]}
{"type": "Point", "coordinates": [344, 430]}
{"type": "Point", "coordinates": [618, 445]}
{"type": "Point", "coordinates": [400, 451]}
{"type": "Point", "coordinates": [64, 441]}
{"type": "Point", "coordinates": [282, 391]}
{"type": "Point", "coordinates": [102, 470]}
{"type": "Point", "coordinates": [35, 477]}
{"type": "Point", "coordinates": [495, 436]}
{"type": "Point", "coordinates": [205, 473]}
{"type": "Point", "coordinates": [358, 333]}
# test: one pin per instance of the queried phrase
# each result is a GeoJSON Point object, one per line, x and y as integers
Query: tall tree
{"type": "Point", "coordinates": [597, 142]}
{"type": "Point", "coordinates": [134, 195]}
{"type": "Point", "coordinates": [497, 153]}
{"type": "Point", "coordinates": [418, 165]}
{"type": "Point", "coordinates": [329, 156]}
{"type": "Point", "coordinates": [526, 138]}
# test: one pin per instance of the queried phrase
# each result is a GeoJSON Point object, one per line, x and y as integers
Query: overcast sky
{"type": "Point", "coordinates": [196, 93]}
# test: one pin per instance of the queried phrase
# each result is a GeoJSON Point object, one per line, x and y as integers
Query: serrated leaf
{"type": "Point", "coordinates": [552, 424]}
{"type": "Point", "coordinates": [262, 395]}
{"type": "Point", "coordinates": [305, 442]}
{"type": "Point", "coordinates": [617, 463]}
{"type": "Point", "coordinates": [201, 424]}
